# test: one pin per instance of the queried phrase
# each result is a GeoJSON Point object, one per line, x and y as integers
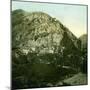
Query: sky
{"type": "Point", "coordinates": [74, 17]}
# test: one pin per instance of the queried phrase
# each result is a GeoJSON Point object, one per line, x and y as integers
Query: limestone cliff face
{"type": "Point", "coordinates": [38, 32]}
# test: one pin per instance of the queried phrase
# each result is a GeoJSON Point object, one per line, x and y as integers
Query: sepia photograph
{"type": "Point", "coordinates": [48, 44]}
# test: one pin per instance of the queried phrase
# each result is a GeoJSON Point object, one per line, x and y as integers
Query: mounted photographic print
{"type": "Point", "coordinates": [49, 44]}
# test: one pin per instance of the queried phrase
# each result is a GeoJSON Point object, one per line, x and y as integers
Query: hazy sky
{"type": "Point", "coordinates": [73, 17]}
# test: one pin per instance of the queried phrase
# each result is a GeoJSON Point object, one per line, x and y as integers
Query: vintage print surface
{"type": "Point", "coordinates": [49, 44]}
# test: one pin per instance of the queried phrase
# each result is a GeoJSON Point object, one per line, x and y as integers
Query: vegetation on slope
{"type": "Point", "coordinates": [44, 51]}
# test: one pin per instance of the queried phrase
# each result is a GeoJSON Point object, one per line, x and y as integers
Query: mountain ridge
{"type": "Point", "coordinates": [42, 25]}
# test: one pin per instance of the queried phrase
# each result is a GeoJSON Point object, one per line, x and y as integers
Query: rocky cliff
{"type": "Point", "coordinates": [43, 50]}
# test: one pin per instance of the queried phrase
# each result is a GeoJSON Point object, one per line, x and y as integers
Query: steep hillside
{"type": "Point", "coordinates": [38, 32]}
{"type": "Point", "coordinates": [84, 50]}
{"type": "Point", "coordinates": [43, 50]}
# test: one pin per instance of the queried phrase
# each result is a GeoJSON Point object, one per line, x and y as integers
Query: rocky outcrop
{"type": "Point", "coordinates": [43, 50]}
{"type": "Point", "coordinates": [39, 32]}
